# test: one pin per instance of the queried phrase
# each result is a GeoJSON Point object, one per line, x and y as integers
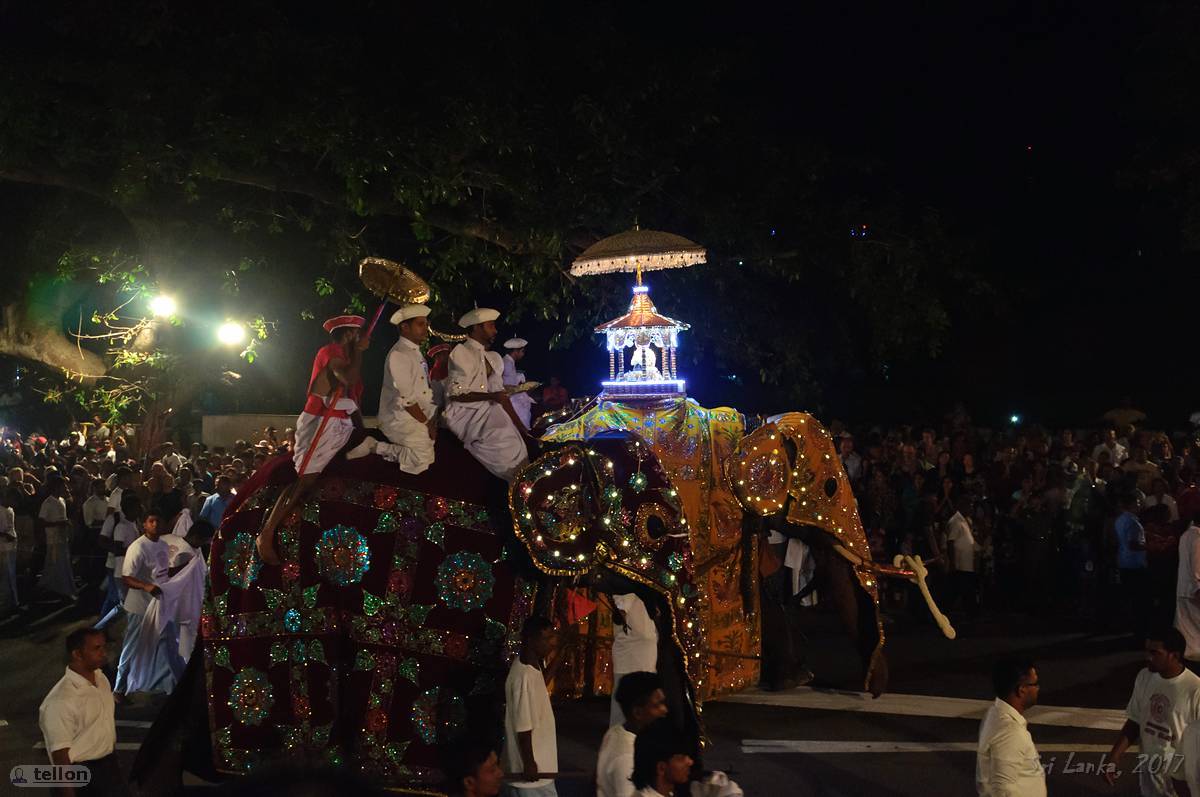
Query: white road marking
{"type": "Point", "coordinates": [826, 746]}
{"type": "Point", "coordinates": [926, 706]}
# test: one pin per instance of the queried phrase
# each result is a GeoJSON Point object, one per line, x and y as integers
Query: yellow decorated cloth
{"type": "Point", "coordinates": [693, 444]}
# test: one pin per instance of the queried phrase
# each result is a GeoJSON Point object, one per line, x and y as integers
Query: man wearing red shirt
{"type": "Point", "coordinates": [337, 369]}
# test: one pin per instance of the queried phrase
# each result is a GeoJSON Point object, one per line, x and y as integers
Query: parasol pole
{"type": "Point", "coordinates": [337, 394]}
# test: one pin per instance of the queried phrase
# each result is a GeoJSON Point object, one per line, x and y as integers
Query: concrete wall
{"type": "Point", "coordinates": [223, 430]}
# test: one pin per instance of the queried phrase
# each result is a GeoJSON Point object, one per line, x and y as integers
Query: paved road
{"type": "Point", "coordinates": [918, 740]}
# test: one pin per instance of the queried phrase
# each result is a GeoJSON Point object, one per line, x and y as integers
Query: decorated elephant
{"type": "Point", "coordinates": [787, 475]}
{"type": "Point", "coordinates": [386, 633]}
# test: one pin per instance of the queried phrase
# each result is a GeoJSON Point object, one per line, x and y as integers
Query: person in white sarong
{"type": "Point", "coordinates": [1187, 591]}
{"type": "Point", "coordinates": [522, 403]}
{"type": "Point", "coordinates": [57, 576]}
{"type": "Point", "coordinates": [634, 647]}
{"type": "Point", "coordinates": [478, 411]}
{"type": "Point", "coordinates": [407, 415]}
{"type": "Point", "coordinates": [9, 599]}
{"type": "Point", "coordinates": [150, 651]}
{"type": "Point", "coordinates": [336, 371]}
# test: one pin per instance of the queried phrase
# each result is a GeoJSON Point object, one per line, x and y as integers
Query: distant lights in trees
{"type": "Point", "coordinates": [163, 306]}
{"type": "Point", "coordinates": [231, 333]}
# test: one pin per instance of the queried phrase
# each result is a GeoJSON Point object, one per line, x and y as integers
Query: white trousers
{"type": "Point", "coordinates": [333, 439]}
{"type": "Point", "coordinates": [409, 446]}
{"type": "Point", "coordinates": [488, 433]}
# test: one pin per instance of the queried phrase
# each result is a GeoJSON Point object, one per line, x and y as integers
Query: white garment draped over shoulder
{"type": "Point", "coordinates": [483, 426]}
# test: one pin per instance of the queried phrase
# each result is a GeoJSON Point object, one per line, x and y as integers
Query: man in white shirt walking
{"type": "Point", "coordinates": [76, 717]}
{"type": "Point", "coordinates": [641, 697]}
{"type": "Point", "coordinates": [634, 646]}
{"type": "Point", "coordinates": [962, 555]}
{"type": "Point", "coordinates": [149, 658]}
{"type": "Point", "coordinates": [530, 737]}
{"type": "Point", "coordinates": [1007, 764]}
{"type": "Point", "coordinates": [407, 414]}
{"type": "Point", "coordinates": [116, 535]}
{"type": "Point", "coordinates": [1165, 700]}
{"type": "Point", "coordinates": [57, 576]}
{"type": "Point", "coordinates": [478, 410]}
{"type": "Point", "coordinates": [1187, 590]}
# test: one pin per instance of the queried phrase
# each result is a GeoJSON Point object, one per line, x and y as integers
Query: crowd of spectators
{"type": "Point", "coordinates": [1031, 518]}
{"type": "Point", "coordinates": [56, 495]}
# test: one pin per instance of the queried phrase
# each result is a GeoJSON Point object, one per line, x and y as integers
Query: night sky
{"type": "Point", "coordinates": [1025, 126]}
{"type": "Point", "coordinates": [1016, 121]}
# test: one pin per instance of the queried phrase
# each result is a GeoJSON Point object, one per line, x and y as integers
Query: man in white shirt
{"type": "Point", "coordinates": [851, 460]}
{"type": "Point", "coordinates": [147, 664]}
{"type": "Point", "coordinates": [662, 760]}
{"type": "Point", "coordinates": [407, 415]}
{"type": "Point", "coordinates": [57, 576]}
{"type": "Point", "coordinates": [1006, 763]}
{"type": "Point", "coordinates": [1165, 700]}
{"type": "Point", "coordinates": [962, 555]}
{"type": "Point", "coordinates": [474, 771]}
{"type": "Point", "coordinates": [641, 698]}
{"type": "Point", "coordinates": [95, 508]}
{"type": "Point", "coordinates": [9, 599]}
{"type": "Point", "coordinates": [478, 411]}
{"type": "Point", "coordinates": [634, 647]}
{"type": "Point", "coordinates": [522, 404]}
{"type": "Point", "coordinates": [1187, 591]}
{"type": "Point", "coordinates": [124, 477]}
{"type": "Point", "coordinates": [118, 531]}
{"type": "Point", "coordinates": [530, 737]}
{"type": "Point", "coordinates": [1117, 453]}
{"type": "Point", "coordinates": [76, 717]}
{"type": "Point", "coordinates": [169, 459]}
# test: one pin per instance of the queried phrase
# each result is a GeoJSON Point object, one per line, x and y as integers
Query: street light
{"type": "Point", "coordinates": [163, 306]}
{"type": "Point", "coordinates": [231, 333]}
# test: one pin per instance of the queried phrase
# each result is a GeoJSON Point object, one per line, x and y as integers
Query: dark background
{"type": "Point", "coordinates": [1051, 138]}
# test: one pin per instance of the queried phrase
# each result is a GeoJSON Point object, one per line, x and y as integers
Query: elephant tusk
{"type": "Point", "coordinates": [852, 558]}
{"type": "Point", "coordinates": [919, 574]}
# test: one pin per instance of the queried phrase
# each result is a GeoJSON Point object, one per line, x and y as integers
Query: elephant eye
{"type": "Point", "coordinates": [830, 487]}
{"type": "Point", "coordinates": [655, 528]}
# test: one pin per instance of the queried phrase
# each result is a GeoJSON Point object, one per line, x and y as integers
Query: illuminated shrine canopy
{"type": "Point", "coordinates": [647, 373]}
{"type": "Point", "coordinates": [651, 339]}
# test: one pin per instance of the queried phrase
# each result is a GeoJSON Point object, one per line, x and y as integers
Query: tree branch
{"type": "Point", "coordinates": [450, 221]}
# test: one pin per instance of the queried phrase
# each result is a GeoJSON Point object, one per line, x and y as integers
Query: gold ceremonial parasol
{"type": "Point", "coordinates": [388, 279]}
{"type": "Point", "coordinates": [392, 281]}
{"type": "Point", "coordinates": [638, 250]}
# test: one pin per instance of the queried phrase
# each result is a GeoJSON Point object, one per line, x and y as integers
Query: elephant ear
{"type": "Point", "coordinates": [556, 502]}
{"type": "Point", "coordinates": [820, 490]}
{"type": "Point", "coordinates": [759, 472]}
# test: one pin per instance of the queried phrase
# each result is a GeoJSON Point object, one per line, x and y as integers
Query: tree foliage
{"type": "Point", "coordinates": [248, 155]}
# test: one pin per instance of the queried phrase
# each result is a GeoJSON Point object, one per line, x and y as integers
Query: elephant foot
{"type": "Point", "coordinates": [877, 678]}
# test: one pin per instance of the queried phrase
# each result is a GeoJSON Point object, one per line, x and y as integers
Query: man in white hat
{"type": "Point", "coordinates": [478, 410]}
{"type": "Point", "coordinates": [522, 404]}
{"type": "Point", "coordinates": [406, 408]}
